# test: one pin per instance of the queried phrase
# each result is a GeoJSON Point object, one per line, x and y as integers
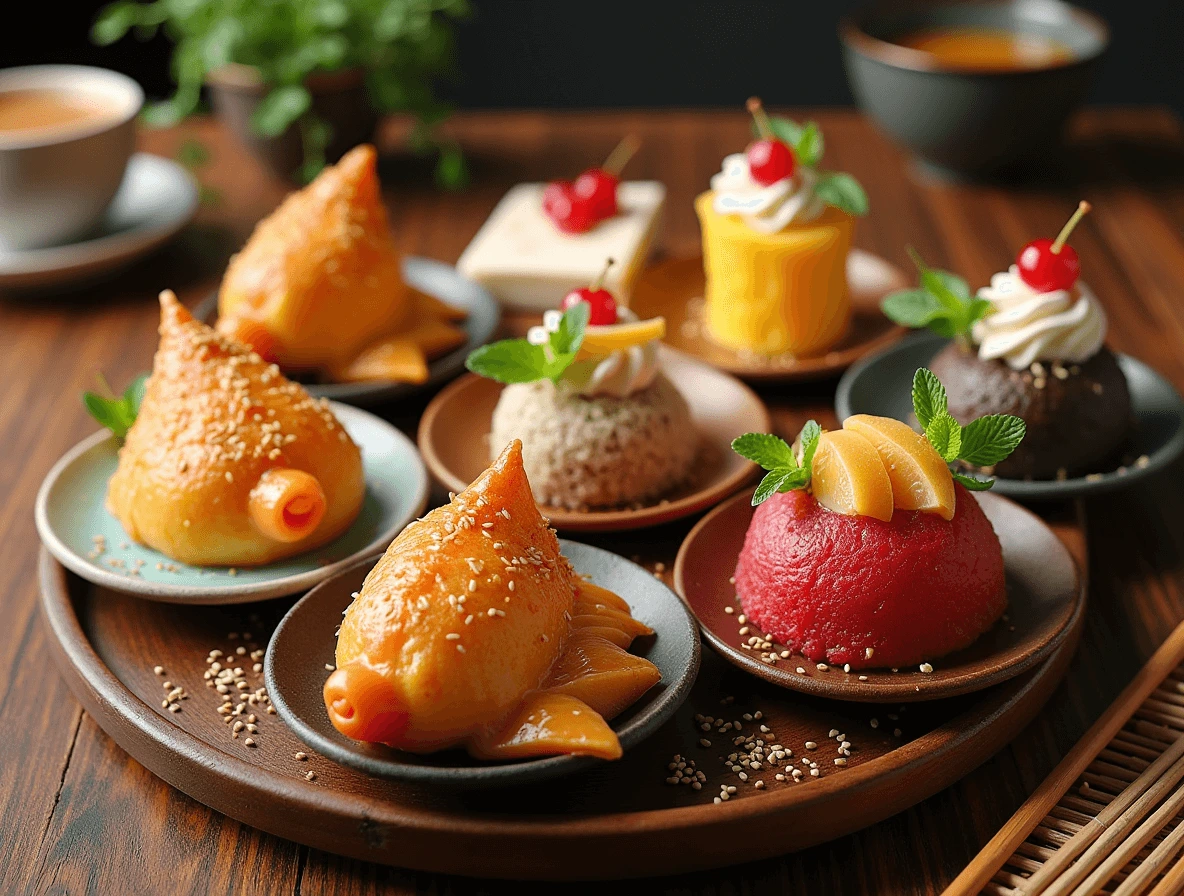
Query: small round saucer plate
{"type": "Point", "coordinates": [157, 198]}
{"type": "Point", "coordinates": [305, 642]}
{"type": "Point", "coordinates": [882, 385]}
{"type": "Point", "coordinates": [436, 279]}
{"type": "Point", "coordinates": [77, 529]}
{"type": "Point", "coordinates": [454, 439]}
{"type": "Point", "coordinates": [674, 289]}
{"type": "Point", "coordinates": [1045, 593]}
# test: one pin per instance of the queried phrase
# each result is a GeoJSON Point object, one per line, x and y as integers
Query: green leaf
{"type": "Point", "coordinates": [452, 171]}
{"type": "Point", "coordinates": [779, 481]}
{"type": "Point", "coordinates": [786, 130]}
{"type": "Point", "coordinates": [989, 440]}
{"type": "Point", "coordinates": [929, 397]}
{"type": "Point", "coordinates": [509, 361]}
{"type": "Point", "coordinates": [973, 483]}
{"type": "Point", "coordinates": [566, 340]}
{"type": "Point", "coordinates": [976, 311]}
{"type": "Point", "coordinates": [945, 435]}
{"type": "Point", "coordinates": [809, 437]}
{"type": "Point", "coordinates": [810, 147]}
{"type": "Point", "coordinates": [108, 411]}
{"type": "Point", "coordinates": [765, 449]}
{"type": "Point", "coordinates": [914, 308]}
{"type": "Point", "coordinates": [193, 154]}
{"type": "Point", "coordinates": [133, 395]}
{"type": "Point", "coordinates": [842, 191]}
{"type": "Point", "coordinates": [113, 22]}
{"type": "Point", "coordinates": [280, 109]}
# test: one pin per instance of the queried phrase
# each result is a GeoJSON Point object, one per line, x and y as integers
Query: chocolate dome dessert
{"type": "Point", "coordinates": [1031, 345]}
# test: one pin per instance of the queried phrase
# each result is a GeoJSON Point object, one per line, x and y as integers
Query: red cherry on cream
{"type": "Point", "coordinates": [598, 188]}
{"type": "Point", "coordinates": [580, 206]}
{"type": "Point", "coordinates": [569, 212]}
{"type": "Point", "coordinates": [1049, 265]}
{"type": "Point", "coordinates": [769, 160]}
{"type": "Point", "coordinates": [602, 305]}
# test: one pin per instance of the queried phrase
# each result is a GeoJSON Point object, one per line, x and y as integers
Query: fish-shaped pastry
{"type": "Point", "coordinates": [319, 286]}
{"type": "Point", "coordinates": [229, 463]}
{"type": "Point", "coordinates": [473, 631]}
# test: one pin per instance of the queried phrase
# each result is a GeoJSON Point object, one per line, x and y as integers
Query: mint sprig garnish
{"type": "Point", "coordinates": [787, 470]}
{"type": "Point", "coordinates": [944, 303]}
{"type": "Point", "coordinates": [835, 188]}
{"type": "Point", "coordinates": [521, 361]}
{"type": "Point", "coordinates": [116, 412]}
{"type": "Point", "coordinates": [981, 443]}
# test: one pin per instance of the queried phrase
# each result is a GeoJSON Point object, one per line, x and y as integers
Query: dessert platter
{"type": "Point", "coordinates": [881, 624]}
{"type": "Point", "coordinates": [1032, 343]}
{"type": "Point", "coordinates": [779, 293]}
{"type": "Point", "coordinates": [322, 291]}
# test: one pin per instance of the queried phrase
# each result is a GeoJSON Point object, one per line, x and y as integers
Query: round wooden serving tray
{"type": "Point", "coordinates": [617, 820]}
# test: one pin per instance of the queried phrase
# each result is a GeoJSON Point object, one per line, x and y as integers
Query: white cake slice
{"type": "Point", "coordinates": [530, 265]}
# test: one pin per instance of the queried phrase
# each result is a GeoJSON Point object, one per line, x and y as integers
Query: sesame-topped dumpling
{"type": "Point", "coordinates": [229, 463]}
{"type": "Point", "coordinates": [474, 631]}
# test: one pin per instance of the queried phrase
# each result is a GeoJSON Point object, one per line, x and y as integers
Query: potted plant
{"type": "Point", "coordinates": [302, 81]}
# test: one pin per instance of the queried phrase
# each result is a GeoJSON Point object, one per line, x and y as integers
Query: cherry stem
{"type": "Point", "coordinates": [763, 126]}
{"type": "Point", "coordinates": [1058, 244]}
{"type": "Point", "coordinates": [599, 281]}
{"type": "Point", "coordinates": [620, 156]}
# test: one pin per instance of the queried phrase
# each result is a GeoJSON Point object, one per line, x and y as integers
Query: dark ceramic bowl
{"type": "Point", "coordinates": [967, 123]}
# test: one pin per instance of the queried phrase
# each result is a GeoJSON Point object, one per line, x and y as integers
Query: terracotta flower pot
{"type": "Point", "coordinates": [339, 98]}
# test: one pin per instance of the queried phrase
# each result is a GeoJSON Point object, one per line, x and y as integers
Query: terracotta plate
{"type": "Point", "coordinates": [436, 279]}
{"type": "Point", "coordinates": [1045, 595]}
{"type": "Point", "coordinates": [882, 385]}
{"type": "Point", "coordinates": [454, 440]}
{"type": "Point", "coordinates": [71, 513]}
{"type": "Point", "coordinates": [305, 641]}
{"type": "Point", "coordinates": [674, 289]}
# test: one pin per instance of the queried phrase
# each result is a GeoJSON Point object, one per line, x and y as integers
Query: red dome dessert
{"type": "Point", "coordinates": [853, 589]}
{"type": "Point", "coordinates": [865, 549]}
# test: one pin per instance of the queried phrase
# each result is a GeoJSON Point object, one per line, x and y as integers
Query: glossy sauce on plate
{"type": "Point", "coordinates": [986, 49]}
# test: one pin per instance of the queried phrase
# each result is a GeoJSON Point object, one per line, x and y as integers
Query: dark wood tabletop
{"type": "Point", "coordinates": [80, 816]}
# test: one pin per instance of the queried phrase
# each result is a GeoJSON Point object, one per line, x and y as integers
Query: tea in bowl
{"type": "Point", "coordinates": [66, 135]}
{"type": "Point", "coordinates": [973, 89]}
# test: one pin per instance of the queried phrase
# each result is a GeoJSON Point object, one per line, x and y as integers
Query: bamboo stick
{"type": "Point", "coordinates": [1172, 883]}
{"type": "Point", "coordinates": [1153, 864]}
{"type": "Point", "coordinates": [980, 871]}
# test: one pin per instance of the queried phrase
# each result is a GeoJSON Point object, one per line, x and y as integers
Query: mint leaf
{"type": "Point", "coordinates": [133, 395]}
{"type": "Point", "coordinates": [843, 192]}
{"type": "Point", "coordinates": [914, 308]}
{"type": "Point", "coordinates": [945, 435]}
{"type": "Point", "coordinates": [973, 483]}
{"type": "Point", "coordinates": [950, 309]}
{"type": "Point", "coordinates": [810, 146]}
{"type": "Point", "coordinates": [510, 361]}
{"type": "Point", "coordinates": [566, 340]}
{"type": "Point", "coordinates": [117, 413]}
{"type": "Point", "coordinates": [768, 487]}
{"type": "Point", "coordinates": [809, 437]}
{"type": "Point", "coordinates": [929, 397]}
{"type": "Point", "coordinates": [988, 440]}
{"type": "Point", "coordinates": [786, 130]}
{"type": "Point", "coordinates": [765, 449]}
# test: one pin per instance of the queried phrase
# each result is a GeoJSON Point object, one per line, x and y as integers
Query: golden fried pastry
{"type": "Point", "coordinates": [319, 286]}
{"type": "Point", "coordinates": [473, 631]}
{"type": "Point", "coordinates": [229, 463]}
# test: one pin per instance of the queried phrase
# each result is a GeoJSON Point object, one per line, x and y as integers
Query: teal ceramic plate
{"type": "Point", "coordinates": [70, 515]}
{"type": "Point", "coordinates": [882, 384]}
{"type": "Point", "coordinates": [442, 281]}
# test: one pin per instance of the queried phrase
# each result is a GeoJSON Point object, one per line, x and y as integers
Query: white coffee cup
{"type": "Point", "coordinates": [57, 181]}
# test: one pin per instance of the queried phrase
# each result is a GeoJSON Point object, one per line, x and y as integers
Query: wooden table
{"type": "Point", "coordinates": [80, 816]}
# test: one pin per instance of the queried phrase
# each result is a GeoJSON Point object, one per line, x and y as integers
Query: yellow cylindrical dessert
{"type": "Point", "coordinates": [776, 293]}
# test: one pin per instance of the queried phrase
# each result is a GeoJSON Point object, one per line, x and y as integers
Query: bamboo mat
{"type": "Point", "coordinates": [1116, 799]}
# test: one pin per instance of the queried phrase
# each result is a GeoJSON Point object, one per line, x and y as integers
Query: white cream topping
{"type": "Point", "coordinates": [617, 375]}
{"type": "Point", "coordinates": [1025, 326]}
{"type": "Point", "coordinates": [768, 209]}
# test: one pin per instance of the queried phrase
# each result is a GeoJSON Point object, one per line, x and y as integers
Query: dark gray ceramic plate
{"type": "Point", "coordinates": [436, 279]}
{"type": "Point", "coordinates": [882, 384]}
{"type": "Point", "coordinates": [305, 641]}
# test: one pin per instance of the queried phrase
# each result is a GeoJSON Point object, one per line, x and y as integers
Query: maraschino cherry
{"type": "Point", "coordinates": [601, 302]}
{"type": "Point", "coordinates": [1048, 265]}
{"type": "Point", "coordinates": [769, 160]}
{"type": "Point", "coordinates": [578, 207]}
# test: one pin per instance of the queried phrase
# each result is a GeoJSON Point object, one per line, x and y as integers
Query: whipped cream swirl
{"type": "Point", "coordinates": [768, 209]}
{"type": "Point", "coordinates": [1026, 326]}
{"type": "Point", "coordinates": [617, 375]}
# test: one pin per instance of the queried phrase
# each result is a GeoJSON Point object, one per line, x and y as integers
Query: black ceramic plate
{"type": "Point", "coordinates": [305, 642]}
{"type": "Point", "coordinates": [436, 279]}
{"type": "Point", "coordinates": [882, 384]}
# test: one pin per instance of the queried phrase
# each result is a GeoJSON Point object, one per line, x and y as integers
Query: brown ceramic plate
{"type": "Point", "coordinates": [454, 441]}
{"type": "Point", "coordinates": [1045, 594]}
{"type": "Point", "coordinates": [674, 289]}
